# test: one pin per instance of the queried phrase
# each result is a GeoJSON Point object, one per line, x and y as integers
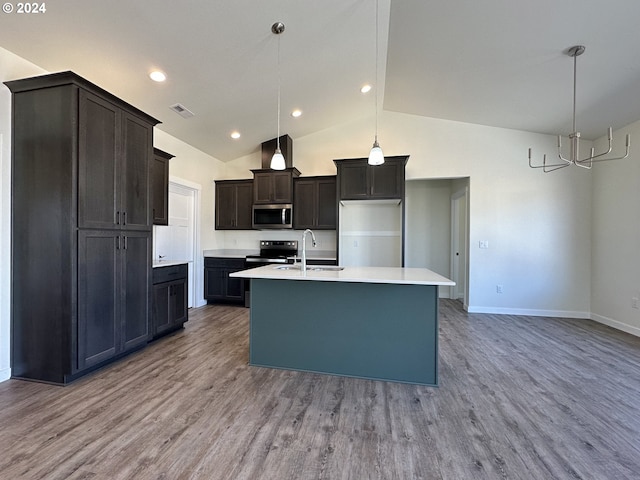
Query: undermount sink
{"type": "Point", "coordinates": [312, 268]}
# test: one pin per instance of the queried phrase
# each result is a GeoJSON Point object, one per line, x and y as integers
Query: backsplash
{"type": "Point", "coordinates": [248, 239]}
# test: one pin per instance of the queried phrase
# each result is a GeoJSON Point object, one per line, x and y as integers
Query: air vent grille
{"type": "Point", "coordinates": [181, 110]}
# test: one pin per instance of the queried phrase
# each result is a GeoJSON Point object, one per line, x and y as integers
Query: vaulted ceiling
{"type": "Point", "coordinates": [491, 62]}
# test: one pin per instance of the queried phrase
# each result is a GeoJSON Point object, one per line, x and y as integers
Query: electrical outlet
{"type": "Point", "coordinates": [498, 288]}
{"type": "Point", "coordinates": [634, 303]}
{"type": "Point", "coordinates": [483, 244]}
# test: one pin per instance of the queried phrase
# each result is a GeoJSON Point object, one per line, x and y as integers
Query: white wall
{"type": "Point", "coordinates": [537, 225]}
{"type": "Point", "coordinates": [428, 225]}
{"type": "Point", "coordinates": [615, 234]}
{"type": "Point", "coordinates": [11, 68]}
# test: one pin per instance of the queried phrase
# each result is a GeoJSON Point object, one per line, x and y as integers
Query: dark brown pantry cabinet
{"type": "Point", "coordinates": [81, 227]}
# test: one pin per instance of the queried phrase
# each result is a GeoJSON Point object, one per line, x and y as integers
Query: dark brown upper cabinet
{"type": "Point", "coordinates": [234, 199]}
{"type": "Point", "coordinates": [273, 186]}
{"type": "Point", "coordinates": [358, 180]}
{"type": "Point", "coordinates": [160, 186]}
{"type": "Point", "coordinates": [315, 203]}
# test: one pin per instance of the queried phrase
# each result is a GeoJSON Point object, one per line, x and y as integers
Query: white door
{"type": "Point", "coordinates": [177, 240]}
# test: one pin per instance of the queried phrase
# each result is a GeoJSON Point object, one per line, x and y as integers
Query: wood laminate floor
{"type": "Point", "coordinates": [519, 398]}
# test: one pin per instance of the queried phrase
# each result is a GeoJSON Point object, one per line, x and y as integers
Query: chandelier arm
{"type": "Point", "coordinates": [548, 168]}
{"type": "Point", "coordinates": [614, 158]}
{"type": "Point", "coordinates": [546, 165]}
{"type": "Point", "coordinates": [583, 164]}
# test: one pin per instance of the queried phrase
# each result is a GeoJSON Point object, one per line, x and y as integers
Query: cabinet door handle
{"type": "Point", "coordinates": [125, 242]}
{"type": "Point", "coordinates": [124, 219]}
{"type": "Point", "coordinates": [118, 218]}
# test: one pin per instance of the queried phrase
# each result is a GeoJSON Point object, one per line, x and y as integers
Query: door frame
{"type": "Point", "coordinates": [460, 290]}
{"type": "Point", "coordinates": [196, 290]}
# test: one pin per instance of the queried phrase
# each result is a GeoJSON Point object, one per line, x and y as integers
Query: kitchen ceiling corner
{"type": "Point", "coordinates": [493, 62]}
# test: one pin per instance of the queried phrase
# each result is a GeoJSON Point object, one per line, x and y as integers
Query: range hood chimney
{"type": "Point", "coordinates": [269, 148]}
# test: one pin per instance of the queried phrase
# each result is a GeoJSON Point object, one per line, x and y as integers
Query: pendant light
{"type": "Point", "coordinates": [376, 157]}
{"type": "Point", "coordinates": [277, 161]}
{"type": "Point", "coordinates": [574, 137]}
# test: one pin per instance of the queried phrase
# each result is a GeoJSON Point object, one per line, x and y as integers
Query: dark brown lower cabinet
{"type": "Point", "coordinates": [218, 286]}
{"type": "Point", "coordinates": [113, 294]}
{"type": "Point", "coordinates": [170, 294]}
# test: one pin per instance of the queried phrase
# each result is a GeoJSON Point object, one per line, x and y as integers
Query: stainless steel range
{"type": "Point", "coordinates": [271, 251]}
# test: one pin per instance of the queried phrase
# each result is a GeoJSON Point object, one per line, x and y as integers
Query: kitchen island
{"type": "Point", "coordinates": [368, 322]}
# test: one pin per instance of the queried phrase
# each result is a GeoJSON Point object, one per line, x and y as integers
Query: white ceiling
{"type": "Point", "coordinates": [492, 62]}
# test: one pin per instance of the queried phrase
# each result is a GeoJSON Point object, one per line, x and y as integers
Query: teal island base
{"type": "Point", "coordinates": [369, 330]}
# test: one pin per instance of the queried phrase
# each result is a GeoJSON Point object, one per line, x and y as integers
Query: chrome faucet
{"type": "Point", "coordinates": [303, 266]}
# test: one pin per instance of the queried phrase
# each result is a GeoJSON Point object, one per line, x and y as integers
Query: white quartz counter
{"type": "Point", "coordinates": [167, 263]}
{"type": "Point", "coordinates": [408, 276]}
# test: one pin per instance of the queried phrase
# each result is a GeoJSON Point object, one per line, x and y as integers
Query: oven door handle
{"type": "Point", "coordinates": [266, 260]}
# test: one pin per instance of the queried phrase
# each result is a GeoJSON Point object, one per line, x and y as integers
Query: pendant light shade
{"type": "Point", "coordinates": [376, 157]}
{"type": "Point", "coordinates": [277, 161]}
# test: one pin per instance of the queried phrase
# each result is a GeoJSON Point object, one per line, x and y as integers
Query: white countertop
{"type": "Point", "coordinates": [407, 276]}
{"type": "Point", "coordinates": [167, 263]}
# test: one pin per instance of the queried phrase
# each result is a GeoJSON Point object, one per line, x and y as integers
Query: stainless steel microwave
{"type": "Point", "coordinates": [278, 215]}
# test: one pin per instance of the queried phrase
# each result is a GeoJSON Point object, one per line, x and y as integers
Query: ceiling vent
{"type": "Point", "coordinates": [181, 110]}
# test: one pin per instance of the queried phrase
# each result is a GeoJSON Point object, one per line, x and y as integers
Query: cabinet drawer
{"type": "Point", "coordinates": [169, 273]}
{"type": "Point", "coordinates": [215, 262]}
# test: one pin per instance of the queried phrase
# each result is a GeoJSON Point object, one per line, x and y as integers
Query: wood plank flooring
{"type": "Point", "coordinates": [519, 398]}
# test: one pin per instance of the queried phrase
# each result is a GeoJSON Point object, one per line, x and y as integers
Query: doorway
{"type": "Point", "coordinates": [459, 244]}
{"type": "Point", "coordinates": [179, 240]}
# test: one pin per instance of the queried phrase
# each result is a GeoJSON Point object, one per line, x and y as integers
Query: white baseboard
{"type": "Point", "coordinates": [616, 324]}
{"type": "Point", "coordinates": [5, 374]}
{"type": "Point", "coordinates": [530, 312]}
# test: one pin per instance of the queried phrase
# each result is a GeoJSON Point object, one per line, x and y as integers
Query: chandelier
{"type": "Point", "coordinates": [574, 137]}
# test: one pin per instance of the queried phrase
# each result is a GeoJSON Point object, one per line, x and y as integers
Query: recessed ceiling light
{"type": "Point", "coordinates": [235, 135]}
{"type": "Point", "coordinates": [296, 113]}
{"type": "Point", "coordinates": [365, 88]}
{"type": "Point", "coordinates": [157, 76]}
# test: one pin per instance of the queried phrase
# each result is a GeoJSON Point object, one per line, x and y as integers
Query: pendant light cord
{"type": "Point", "coordinates": [278, 137]}
{"type": "Point", "coordinates": [377, 84]}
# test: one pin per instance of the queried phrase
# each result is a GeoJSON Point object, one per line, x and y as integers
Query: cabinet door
{"type": "Point", "coordinates": [262, 188]}
{"type": "Point", "coordinates": [160, 190]}
{"type": "Point", "coordinates": [225, 210]}
{"type": "Point", "coordinates": [160, 310]}
{"type": "Point", "coordinates": [214, 285]}
{"type": "Point", "coordinates": [234, 286]}
{"type": "Point", "coordinates": [244, 204]}
{"type": "Point", "coordinates": [354, 184]}
{"type": "Point", "coordinates": [304, 205]}
{"type": "Point", "coordinates": [137, 151]}
{"type": "Point", "coordinates": [98, 296]}
{"type": "Point", "coordinates": [136, 288]}
{"type": "Point", "coordinates": [282, 187]}
{"type": "Point", "coordinates": [326, 204]}
{"type": "Point", "coordinates": [387, 180]}
{"type": "Point", "coordinates": [98, 140]}
{"type": "Point", "coordinates": [178, 307]}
